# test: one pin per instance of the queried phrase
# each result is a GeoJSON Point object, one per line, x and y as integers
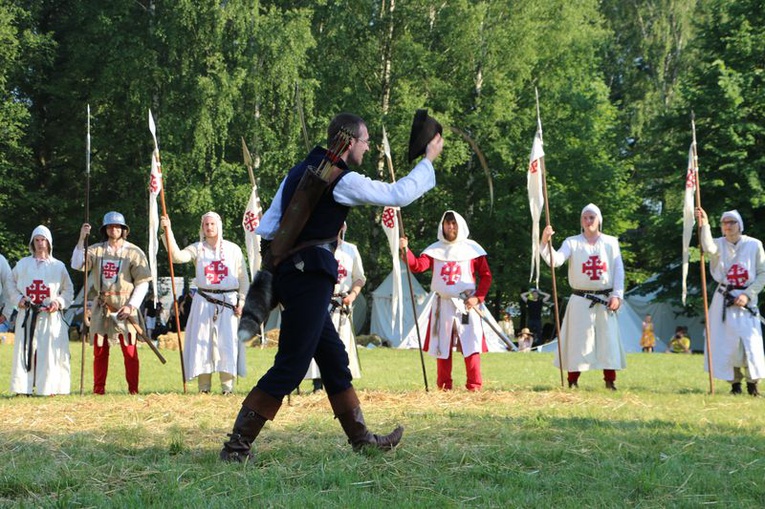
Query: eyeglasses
{"type": "Point", "coordinates": [729, 223]}
{"type": "Point", "coordinates": [363, 141]}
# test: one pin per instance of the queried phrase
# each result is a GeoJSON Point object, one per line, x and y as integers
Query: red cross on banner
{"type": "Point", "coordinates": [593, 267]}
{"type": "Point", "coordinates": [215, 272]}
{"type": "Point", "coordinates": [389, 217]}
{"type": "Point", "coordinates": [737, 275]}
{"type": "Point", "coordinates": [250, 221]}
{"type": "Point", "coordinates": [109, 270]}
{"type": "Point", "coordinates": [38, 291]}
{"type": "Point", "coordinates": [342, 272]}
{"type": "Point", "coordinates": [451, 273]}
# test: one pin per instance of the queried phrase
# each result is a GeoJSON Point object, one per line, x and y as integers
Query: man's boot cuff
{"type": "Point", "coordinates": [344, 402]}
{"type": "Point", "coordinates": [262, 403]}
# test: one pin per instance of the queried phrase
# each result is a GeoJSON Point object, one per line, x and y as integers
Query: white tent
{"type": "Point", "coordinates": [383, 315]}
{"type": "Point", "coordinates": [666, 317]}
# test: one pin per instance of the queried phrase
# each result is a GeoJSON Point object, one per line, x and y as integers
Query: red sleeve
{"type": "Point", "coordinates": [418, 264]}
{"type": "Point", "coordinates": [482, 274]}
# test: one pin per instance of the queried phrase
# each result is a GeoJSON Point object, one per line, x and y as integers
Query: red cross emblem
{"type": "Point", "coordinates": [37, 291]}
{"type": "Point", "coordinates": [534, 166]}
{"type": "Point", "coordinates": [215, 272]}
{"type": "Point", "coordinates": [109, 270]}
{"type": "Point", "coordinates": [690, 179]}
{"type": "Point", "coordinates": [251, 221]}
{"type": "Point", "coordinates": [342, 272]}
{"type": "Point", "coordinates": [451, 273]}
{"type": "Point", "coordinates": [593, 267]}
{"type": "Point", "coordinates": [389, 218]}
{"type": "Point", "coordinates": [737, 275]}
{"type": "Point", "coordinates": [154, 184]}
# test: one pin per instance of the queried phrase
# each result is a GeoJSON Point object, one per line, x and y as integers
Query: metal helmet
{"type": "Point", "coordinates": [114, 218]}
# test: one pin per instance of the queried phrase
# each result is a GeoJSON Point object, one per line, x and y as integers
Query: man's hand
{"type": "Point", "coordinates": [434, 148]}
{"type": "Point", "coordinates": [471, 302]}
{"type": "Point", "coordinates": [238, 310]}
{"type": "Point", "coordinates": [547, 234]}
{"type": "Point", "coordinates": [124, 312]}
{"type": "Point", "coordinates": [614, 303]}
{"type": "Point", "coordinates": [742, 300]}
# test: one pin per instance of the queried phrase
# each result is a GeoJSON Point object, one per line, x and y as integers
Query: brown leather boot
{"type": "Point", "coordinates": [246, 428]}
{"type": "Point", "coordinates": [347, 409]}
{"type": "Point", "coordinates": [257, 408]}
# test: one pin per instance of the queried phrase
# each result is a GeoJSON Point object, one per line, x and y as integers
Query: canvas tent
{"type": "Point", "coordinates": [666, 317]}
{"type": "Point", "coordinates": [384, 325]}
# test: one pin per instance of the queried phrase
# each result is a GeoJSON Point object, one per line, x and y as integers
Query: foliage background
{"type": "Point", "coordinates": [617, 84]}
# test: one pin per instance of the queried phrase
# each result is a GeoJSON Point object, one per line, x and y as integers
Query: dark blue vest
{"type": "Point", "coordinates": [326, 219]}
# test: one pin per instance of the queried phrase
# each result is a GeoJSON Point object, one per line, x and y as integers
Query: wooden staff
{"type": "Point", "coordinates": [549, 244]}
{"type": "Point", "coordinates": [701, 260]}
{"type": "Point", "coordinates": [386, 150]}
{"type": "Point", "coordinates": [85, 329]}
{"type": "Point", "coordinates": [153, 130]}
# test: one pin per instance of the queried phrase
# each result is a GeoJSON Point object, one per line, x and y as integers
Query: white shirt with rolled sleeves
{"type": "Point", "coordinates": [356, 189]}
{"type": "Point", "coordinates": [590, 333]}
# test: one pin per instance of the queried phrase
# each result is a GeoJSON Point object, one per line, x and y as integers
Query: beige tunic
{"type": "Point", "coordinates": [112, 279]}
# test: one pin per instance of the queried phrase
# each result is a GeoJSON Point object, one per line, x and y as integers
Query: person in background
{"type": "Point", "coordinates": [460, 279]}
{"type": "Point", "coordinates": [119, 281]}
{"type": "Point", "coordinates": [535, 300]}
{"type": "Point", "coordinates": [737, 264]}
{"type": "Point", "coordinates": [680, 342]}
{"type": "Point", "coordinates": [648, 338]}
{"type": "Point", "coordinates": [41, 290]}
{"type": "Point", "coordinates": [590, 328]}
{"type": "Point", "coordinates": [210, 343]}
{"type": "Point", "coordinates": [525, 340]}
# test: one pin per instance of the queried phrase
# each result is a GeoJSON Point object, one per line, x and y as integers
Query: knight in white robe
{"type": "Point", "coordinates": [737, 264]}
{"type": "Point", "coordinates": [590, 337]}
{"type": "Point", "coordinates": [461, 280]}
{"type": "Point", "coordinates": [350, 280]}
{"type": "Point", "coordinates": [211, 344]}
{"type": "Point", "coordinates": [41, 289]}
{"type": "Point", "coordinates": [6, 283]}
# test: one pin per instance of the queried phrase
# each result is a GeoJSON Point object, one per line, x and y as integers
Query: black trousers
{"type": "Point", "coordinates": [307, 332]}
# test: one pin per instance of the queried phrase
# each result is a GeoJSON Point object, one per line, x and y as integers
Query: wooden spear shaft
{"type": "Point", "coordinates": [172, 278]}
{"type": "Point", "coordinates": [702, 262]}
{"type": "Point", "coordinates": [409, 277]}
{"type": "Point", "coordinates": [85, 332]}
{"type": "Point", "coordinates": [552, 267]}
{"type": "Point", "coordinates": [549, 243]}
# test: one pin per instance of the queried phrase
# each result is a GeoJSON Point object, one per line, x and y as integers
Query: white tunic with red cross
{"type": "Point", "coordinates": [590, 333]}
{"type": "Point", "coordinates": [42, 281]}
{"type": "Point", "coordinates": [737, 341]}
{"type": "Point", "coordinates": [210, 341]}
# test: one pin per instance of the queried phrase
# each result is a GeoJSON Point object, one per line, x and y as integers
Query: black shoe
{"type": "Point", "coordinates": [573, 385]}
{"type": "Point", "coordinates": [751, 388]}
{"type": "Point", "coordinates": [735, 388]}
{"type": "Point", "coordinates": [610, 385]}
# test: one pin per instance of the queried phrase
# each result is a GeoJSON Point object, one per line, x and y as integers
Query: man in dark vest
{"type": "Point", "coordinates": [304, 276]}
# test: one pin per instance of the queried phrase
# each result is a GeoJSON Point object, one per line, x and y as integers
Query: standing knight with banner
{"type": "Point", "coordinates": [221, 277]}
{"type": "Point", "coordinates": [41, 289]}
{"type": "Point", "coordinates": [350, 281]}
{"type": "Point", "coordinates": [461, 281]}
{"type": "Point", "coordinates": [737, 263]}
{"type": "Point", "coordinates": [119, 284]}
{"type": "Point", "coordinates": [590, 330]}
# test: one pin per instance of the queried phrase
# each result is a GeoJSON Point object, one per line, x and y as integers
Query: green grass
{"type": "Point", "coordinates": [660, 441]}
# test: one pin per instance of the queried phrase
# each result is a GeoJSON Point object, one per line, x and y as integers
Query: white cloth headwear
{"type": "Point", "coordinates": [462, 228]}
{"type": "Point", "coordinates": [218, 220]}
{"type": "Point", "coordinates": [735, 215]}
{"type": "Point", "coordinates": [462, 248]}
{"type": "Point", "coordinates": [44, 232]}
{"type": "Point", "coordinates": [591, 207]}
